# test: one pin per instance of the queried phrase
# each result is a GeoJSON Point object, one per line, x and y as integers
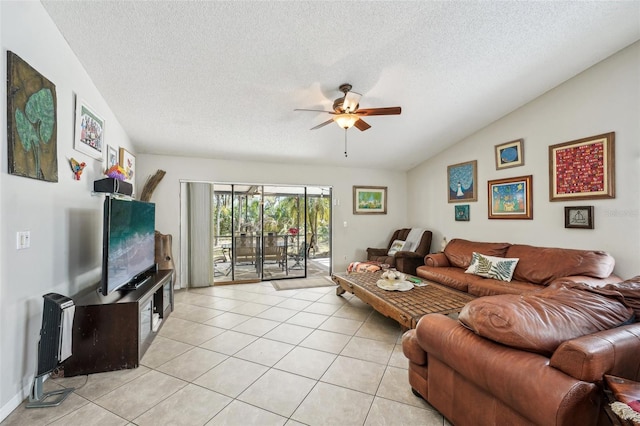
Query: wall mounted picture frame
{"type": "Point", "coordinates": [461, 182]}
{"type": "Point", "coordinates": [32, 141]}
{"type": "Point", "coordinates": [112, 157]}
{"type": "Point", "coordinates": [89, 131]}
{"type": "Point", "coordinates": [369, 200]}
{"type": "Point", "coordinates": [509, 154]}
{"type": "Point", "coordinates": [578, 217]}
{"type": "Point", "coordinates": [462, 212]}
{"type": "Point", "coordinates": [128, 163]}
{"type": "Point", "coordinates": [511, 198]}
{"type": "Point", "coordinates": [583, 169]}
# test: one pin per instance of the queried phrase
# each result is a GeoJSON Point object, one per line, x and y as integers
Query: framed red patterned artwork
{"type": "Point", "coordinates": [583, 169]}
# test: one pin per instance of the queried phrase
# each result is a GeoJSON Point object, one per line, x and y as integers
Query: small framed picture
{"type": "Point", "coordinates": [578, 217]}
{"type": "Point", "coordinates": [112, 157]}
{"type": "Point", "coordinates": [128, 163]}
{"type": "Point", "coordinates": [369, 200]}
{"type": "Point", "coordinates": [462, 212]}
{"type": "Point", "coordinates": [89, 131]}
{"type": "Point", "coordinates": [510, 154]}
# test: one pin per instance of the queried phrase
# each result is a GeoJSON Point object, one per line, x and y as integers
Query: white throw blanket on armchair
{"type": "Point", "coordinates": [413, 239]}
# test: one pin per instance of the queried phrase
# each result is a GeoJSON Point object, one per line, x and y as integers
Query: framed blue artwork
{"type": "Point", "coordinates": [461, 181]}
{"type": "Point", "coordinates": [462, 212]}
{"type": "Point", "coordinates": [510, 154]}
{"type": "Point", "coordinates": [511, 198]}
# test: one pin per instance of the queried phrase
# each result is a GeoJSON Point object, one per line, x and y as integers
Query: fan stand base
{"type": "Point", "coordinates": [38, 398]}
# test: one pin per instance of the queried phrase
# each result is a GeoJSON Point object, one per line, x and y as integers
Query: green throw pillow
{"type": "Point", "coordinates": [498, 268]}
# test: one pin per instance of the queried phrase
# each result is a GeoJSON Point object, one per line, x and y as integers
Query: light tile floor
{"type": "Point", "coordinates": [250, 355]}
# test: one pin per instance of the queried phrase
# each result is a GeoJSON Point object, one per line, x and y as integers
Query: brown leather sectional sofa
{"type": "Point", "coordinates": [529, 358]}
{"type": "Point", "coordinates": [537, 267]}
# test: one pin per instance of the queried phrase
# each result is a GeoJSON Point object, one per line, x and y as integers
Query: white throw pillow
{"type": "Point", "coordinates": [396, 246]}
{"type": "Point", "coordinates": [498, 268]}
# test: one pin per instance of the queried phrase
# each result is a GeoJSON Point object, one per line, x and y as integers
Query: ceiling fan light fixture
{"type": "Point", "coordinates": [346, 121]}
{"type": "Point", "coordinates": [350, 102]}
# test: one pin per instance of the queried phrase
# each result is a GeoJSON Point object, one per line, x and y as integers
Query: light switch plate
{"type": "Point", "coordinates": [23, 240]}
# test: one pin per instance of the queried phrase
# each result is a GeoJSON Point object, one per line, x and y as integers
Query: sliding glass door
{"type": "Point", "coordinates": [264, 232]}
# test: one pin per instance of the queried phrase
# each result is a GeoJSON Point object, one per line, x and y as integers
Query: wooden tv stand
{"type": "Point", "coordinates": [113, 332]}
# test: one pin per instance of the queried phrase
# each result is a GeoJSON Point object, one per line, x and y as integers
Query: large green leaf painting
{"type": "Point", "coordinates": [31, 101]}
{"type": "Point", "coordinates": [40, 111]}
{"type": "Point", "coordinates": [36, 126]}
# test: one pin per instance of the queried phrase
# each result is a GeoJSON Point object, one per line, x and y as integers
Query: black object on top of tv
{"type": "Point", "coordinates": [128, 243]}
{"type": "Point", "coordinates": [113, 186]}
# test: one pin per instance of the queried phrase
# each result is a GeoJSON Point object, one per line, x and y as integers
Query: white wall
{"type": "Point", "coordinates": [349, 243]}
{"type": "Point", "coordinates": [602, 99]}
{"type": "Point", "coordinates": [64, 219]}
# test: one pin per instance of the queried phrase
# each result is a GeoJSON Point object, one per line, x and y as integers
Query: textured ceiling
{"type": "Point", "coordinates": [221, 79]}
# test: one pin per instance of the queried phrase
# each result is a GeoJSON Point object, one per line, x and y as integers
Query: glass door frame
{"type": "Point", "coordinates": [261, 232]}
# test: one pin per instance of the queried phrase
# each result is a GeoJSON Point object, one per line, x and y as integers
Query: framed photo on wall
{"type": "Point", "coordinates": [112, 157]}
{"type": "Point", "coordinates": [89, 131]}
{"type": "Point", "coordinates": [461, 182]}
{"type": "Point", "coordinates": [510, 154]}
{"type": "Point", "coordinates": [128, 163]}
{"type": "Point", "coordinates": [578, 217]}
{"type": "Point", "coordinates": [369, 200]}
{"type": "Point", "coordinates": [583, 169]}
{"type": "Point", "coordinates": [511, 198]}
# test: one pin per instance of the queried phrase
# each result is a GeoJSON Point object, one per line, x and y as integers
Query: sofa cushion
{"type": "Point", "coordinates": [542, 265]}
{"type": "Point", "coordinates": [498, 268]}
{"type": "Point", "coordinates": [490, 287]}
{"type": "Point", "coordinates": [626, 292]}
{"type": "Point", "coordinates": [459, 252]}
{"type": "Point", "coordinates": [539, 322]}
{"type": "Point", "coordinates": [451, 277]}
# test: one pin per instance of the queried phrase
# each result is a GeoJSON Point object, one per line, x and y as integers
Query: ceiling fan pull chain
{"type": "Point", "coordinates": [345, 143]}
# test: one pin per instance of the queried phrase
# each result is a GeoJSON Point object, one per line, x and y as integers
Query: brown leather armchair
{"type": "Point", "coordinates": [403, 261]}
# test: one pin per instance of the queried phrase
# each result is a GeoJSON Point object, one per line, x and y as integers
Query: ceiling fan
{"type": "Point", "coordinates": [346, 112]}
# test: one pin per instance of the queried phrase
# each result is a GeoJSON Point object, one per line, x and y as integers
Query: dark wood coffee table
{"type": "Point", "coordinates": [406, 307]}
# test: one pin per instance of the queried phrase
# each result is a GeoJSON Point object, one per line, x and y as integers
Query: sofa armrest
{"type": "Point", "coordinates": [412, 349]}
{"type": "Point", "coordinates": [436, 260]}
{"type": "Point", "coordinates": [408, 254]}
{"type": "Point", "coordinates": [377, 251]}
{"type": "Point", "coordinates": [612, 351]}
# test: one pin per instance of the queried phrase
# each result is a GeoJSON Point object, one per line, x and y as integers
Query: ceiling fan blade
{"type": "Point", "coordinates": [314, 110]}
{"type": "Point", "coordinates": [379, 111]}
{"type": "Point", "coordinates": [361, 125]}
{"type": "Point", "coordinates": [322, 124]}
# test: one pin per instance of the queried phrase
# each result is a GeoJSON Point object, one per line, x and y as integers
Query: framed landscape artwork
{"type": "Point", "coordinates": [89, 132]}
{"type": "Point", "coordinates": [511, 198]}
{"type": "Point", "coordinates": [31, 122]}
{"type": "Point", "coordinates": [461, 182]}
{"type": "Point", "coordinates": [583, 169]}
{"type": "Point", "coordinates": [578, 217]}
{"type": "Point", "coordinates": [510, 154]}
{"type": "Point", "coordinates": [369, 200]}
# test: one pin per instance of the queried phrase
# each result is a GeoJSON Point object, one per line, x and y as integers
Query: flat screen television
{"type": "Point", "coordinates": [128, 243]}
